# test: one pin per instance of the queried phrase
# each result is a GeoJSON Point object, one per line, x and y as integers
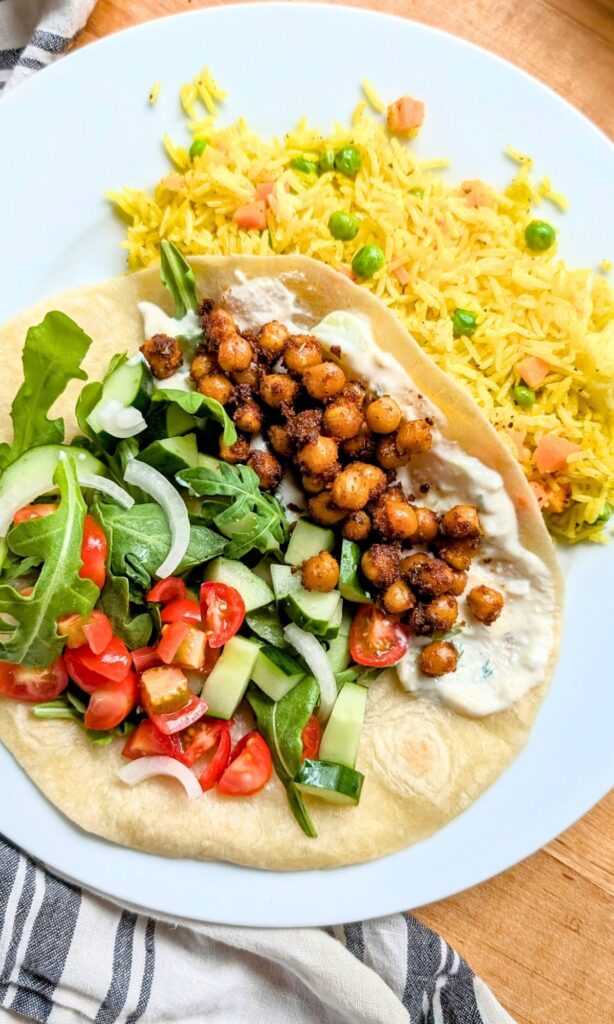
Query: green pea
{"type": "Point", "coordinates": [524, 396]}
{"type": "Point", "coordinates": [343, 226]}
{"type": "Point", "coordinates": [326, 161]}
{"type": "Point", "coordinates": [302, 164]}
{"type": "Point", "coordinates": [198, 146]}
{"type": "Point", "coordinates": [419, 192]}
{"type": "Point", "coordinates": [348, 161]}
{"type": "Point", "coordinates": [606, 513]}
{"type": "Point", "coordinates": [463, 322]}
{"type": "Point", "coordinates": [539, 235]}
{"type": "Point", "coordinates": [368, 261]}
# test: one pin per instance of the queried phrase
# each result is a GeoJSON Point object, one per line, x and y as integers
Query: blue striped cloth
{"type": "Point", "coordinates": [69, 956]}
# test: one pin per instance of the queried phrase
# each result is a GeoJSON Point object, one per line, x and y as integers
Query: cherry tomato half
{"type": "Point", "coordinates": [144, 658]}
{"type": "Point", "coordinates": [113, 663]}
{"type": "Point", "coordinates": [95, 630]}
{"type": "Point", "coordinates": [82, 676]}
{"type": "Point", "coordinates": [111, 703]}
{"type": "Point", "coordinates": [171, 589]}
{"type": "Point", "coordinates": [377, 639]}
{"type": "Point", "coordinates": [181, 610]}
{"type": "Point", "coordinates": [250, 768]}
{"type": "Point", "coordinates": [223, 611]}
{"type": "Point", "coordinates": [34, 512]}
{"type": "Point", "coordinates": [200, 738]}
{"type": "Point", "coordinates": [213, 771]}
{"type": "Point", "coordinates": [33, 684]}
{"type": "Point", "coordinates": [93, 553]}
{"type": "Point", "coordinates": [177, 721]}
{"type": "Point", "coordinates": [147, 741]}
{"type": "Point", "coordinates": [311, 736]}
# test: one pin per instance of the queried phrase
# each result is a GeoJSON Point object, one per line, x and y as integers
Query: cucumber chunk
{"type": "Point", "coordinates": [339, 650]}
{"type": "Point", "coordinates": [307, 540]}
{"type": "Point", "coordinates": [342, 733]}
{"type": "Point", "coordinates": [312, 610]}
{"type": "Point", "coordinates": [331, 782]}
{"type": "Point", "coordinates": [172, 454]}
{"type": "Point", "coordinates": [130, 385]}
{"type": "Point", "coordinates": [225, 686]}
{"type": "Point", "coordinates": [276, 672]}
{"type": "Point", "coordinates": [254, 590]}
{"type": "Point", "coordinates": [350, 586]}
{"type": "Point", "coordinates": [168, 421]}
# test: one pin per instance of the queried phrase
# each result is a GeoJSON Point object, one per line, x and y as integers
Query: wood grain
{"type": "Point", "coordinates": [540, 934]}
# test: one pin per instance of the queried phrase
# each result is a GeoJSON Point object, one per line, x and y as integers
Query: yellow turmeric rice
{"type": "Point", "coordinates": [446, 248]}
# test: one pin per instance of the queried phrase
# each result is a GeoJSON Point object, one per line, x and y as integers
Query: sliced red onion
{"type": "Point", "coordinates": [146, 767]}
{"type": "Point", "coordinates": [166, 495]}
{"type": "Point", "coordinates": [314, 654]}
{"type": "Point", "coordinates": [119, 420]}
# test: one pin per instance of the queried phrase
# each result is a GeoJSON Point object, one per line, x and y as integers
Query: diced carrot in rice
{"type": "Point", "coordinates": [532, 370]}
{"type": "Point", "coordinates": [264, 189]}
{"type": "Point", "coordinates": [405, 115]}
{"type": "Point", "coordinates": [401, 275]}
{"type": "Point", "coordinates": [347, 272]}
{"type": "Point", "coordinates": [174, 182]}
{"type": "Point", "coordinates": [252, 216]}
{"type": "Point", "coordinates": [552, 453]}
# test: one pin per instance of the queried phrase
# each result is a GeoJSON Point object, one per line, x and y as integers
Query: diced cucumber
{"type": "Point", "coordinates": [339, 650]}
{"type": "Point", "coordinates": [172, 454]}
{"type": "Point", "coordinates": [168, 420]}
{"type": "Point", "coordinates": [308, 539]}
{"type": "Point", "coordinates": [130, 385]}
{"type": "Point", "coordinates": [334, 625]}
{"type": "Point", "coordinates": [349, 580]}
{"type": "Point", "coordinates": [284, 580]}
{"type": "Point", "coordinates": [254, 591]}
{"type": "Point", "coordinates": [331, 782]}
{"type": "Point", "coordinates": [276, 672]}
{"type": "Point", "coordinates": [342, 733]}
{"type": "Point", "coordinates": [225, 687]}
{"type": "Point", "coordinates": [207, 462]}
{"type": "Point", "coordinates": [312, 610]}
{"type": "Point", "coordinates": [263, 570]}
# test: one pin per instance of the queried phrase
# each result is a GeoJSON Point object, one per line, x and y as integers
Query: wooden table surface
{"type": "Point", "coordinates": [538, 934]}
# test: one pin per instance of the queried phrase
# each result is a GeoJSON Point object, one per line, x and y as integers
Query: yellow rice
{"type": "Point", "coordinates": [454, 254]}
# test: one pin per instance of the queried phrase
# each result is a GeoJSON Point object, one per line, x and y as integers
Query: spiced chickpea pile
{"type": "Point", "coordinates": [346, 446]}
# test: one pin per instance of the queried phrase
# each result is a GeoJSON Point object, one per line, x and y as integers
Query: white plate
{"type": "Point", "coordinates": [84, 126]}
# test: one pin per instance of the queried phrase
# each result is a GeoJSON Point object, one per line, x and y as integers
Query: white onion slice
{"type": "Point", "coordinates": [159, 488]}
{"type": "Point", "coordinates": [146, 767]}
{"type": "Point", "coordinates": [314, 654]}
{"type": "Point", "coordinates": [108, 487]}
{"type": "Point", "coordinates": [119, 420]}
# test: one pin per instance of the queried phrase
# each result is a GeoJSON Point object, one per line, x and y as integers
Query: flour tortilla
{"type": "Point", "coordinates": [423, 762]}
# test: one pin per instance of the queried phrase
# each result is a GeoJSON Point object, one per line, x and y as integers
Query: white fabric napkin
{"type": "Point", "coordinates": [69, 956]}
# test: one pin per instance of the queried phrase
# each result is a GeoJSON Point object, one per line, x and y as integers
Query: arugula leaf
{"type": "Point", "coordinates": [194, 403]}
{"type": "Point", "coordinates": [52, 356]}
{"type": "Point", "coordinates": [177, 277]}
{"type": "Point", "coordinates": [29, 624]}
{"type": "Point", "coordinates": [139, 539]}
{"type": "Point", "coordinates": [281, 724]}
{"type": "Point", "coordinates": [253, 519]}
{"type": "Point", "coordinates": [134, 630]}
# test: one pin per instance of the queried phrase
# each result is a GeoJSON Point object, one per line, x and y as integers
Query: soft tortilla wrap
{"type": "Point", "coordinates": [423, 762]}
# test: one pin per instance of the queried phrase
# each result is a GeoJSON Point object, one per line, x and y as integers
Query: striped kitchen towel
{"type": "Point", "coordinates": [69, 957]}
{"type": "Point", "coordinates": [33, 33]}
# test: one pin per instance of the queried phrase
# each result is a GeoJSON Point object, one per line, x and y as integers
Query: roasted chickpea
{"type": "Point", "coordinates": [388, 455]}
{"type": "Point", "coordinates": [266, 467]}
{"type": "Point", "coordinates": [410, 563]}
{"type": "Point", "coordinates": [321, 572]}
{"type": "Point", "coordinates": [413, 437]}
{"type": "Point", "coordinates": [356, 527]}
{"type": "Point", "coordinates": [350, 488]}
{"type": "Point", "coordinates": [216, 385]}
{"type": "Point", "coordinates": [398, 598]}
{"type": "Point", "coordinates": [430, 578]}
{"type": "Point", "coordinates": [393, 516]}
{"type": "Point", "coordinates": [459, 582]}
{"type": "Point", "coordinates": [354, 392]}
{"type": "Point", "coordinates": [305, 427]}
{"type": "Point", "coordinates": [250, 376]}
{"type": "Point", "coordinates": [272, 338]}
{"type": "Point", "coordinates": [318, 457]}
{"type": "Point", "coordinates": [235, 353]}
{"type": "Point", "coordinates": [280, 440]}
{"type": "Point", "coordinates": [203, 365]}
{"type": "Point", "coordinates": [380, 564]}
{"type": "Point", "coordinates": [383, 415]}
{"type": "Point", "coordinates": [485, 603]}
{"type": "Point", "coordinates": [313, 484]}
{"type": "Point", "coordinates": [441, 613]}
{"type": "Point", "coordinates": [163, 354]}
{"type": "Point", "coordinates": [362, 446]}
{"type": "Point", "coordinates": [324, 380]}
{"type": "Point", "coordinates": [342, 419]}
{"type": "Point", "coordinates": [219, 325]}
{"type": "Point", "coordinates": [461, 522]}
{"type": "Point", "coordinates": [237, 452]}
{"type": "Point", "coordinates": [458, 553]}
{"type": "Point", "coordinates": [428, 525]}
{"type": "Point", "coordinates": [375, 477]}
{"type": "Point", "coordinates": [323, 510]}
{"type": "Point", "coordinates": [277, 389]}
{"type": "Point", "coordinates": [302, 351]}
{"type": "Point", "coordinates": [438, 658]}
{"type": "Point", "coordinates": [248, 418]}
